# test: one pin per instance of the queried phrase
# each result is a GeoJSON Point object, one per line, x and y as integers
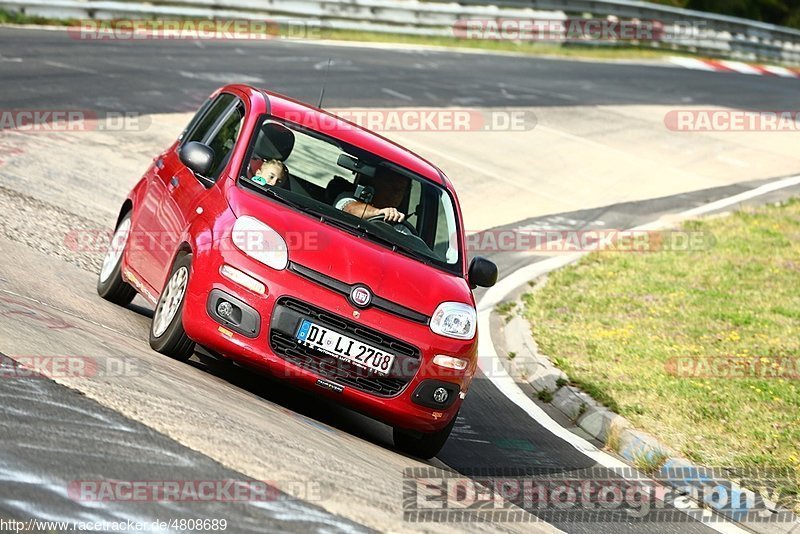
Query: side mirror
{"type": "Point", "coordinates": [482, 272]}
{"type": "Point", "coordinates": [198, 158]}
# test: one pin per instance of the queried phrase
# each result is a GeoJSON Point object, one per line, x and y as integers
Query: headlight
{"type": "Point", "coordinates": [454, 319]}
{"type": "Point", "coordinates": [260, 242]}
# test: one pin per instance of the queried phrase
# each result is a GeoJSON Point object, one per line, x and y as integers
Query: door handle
{"type": "Point", "coordinates": [174, 182]}
{"type": "Point", "coordinates": [160, 163]}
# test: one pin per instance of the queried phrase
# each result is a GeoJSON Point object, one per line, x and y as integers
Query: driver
{"type": "Point", "coordinates": [389, 192]}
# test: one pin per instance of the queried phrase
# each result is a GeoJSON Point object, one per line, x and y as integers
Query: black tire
{"type": "Point", "coordinates": [422, 445]}
{"type": "Point", "coordinates": [173, 341]}
{"type": "Point", "coordinates": [114, 288]}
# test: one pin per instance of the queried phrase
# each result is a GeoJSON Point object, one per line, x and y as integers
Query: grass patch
{"type": "Point", "coordinates": [520, 47]}
{"type": "Point", "coordinates": [630, 315]}
{"type": "Point", "coordinates": [614, 436]}
{"type": "Point", "coordinates": [545, 395]}
{"type": "Point", "coordinates": [650, 462]}
{"type": "Point", "coordinates": [12, 17]}
{"type": "Point", "coordinates": [505, 308]}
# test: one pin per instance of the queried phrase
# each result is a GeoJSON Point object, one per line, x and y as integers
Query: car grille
{"type": "Point", "coordinates": [286, 318]}
{"type": "Point", "coordinates": [345, 289]}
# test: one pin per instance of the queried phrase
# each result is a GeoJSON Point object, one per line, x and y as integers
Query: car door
{"type": "Point", "coordinates": [147, 227]}
{"type": "Point", "coordinates": [178, 192]}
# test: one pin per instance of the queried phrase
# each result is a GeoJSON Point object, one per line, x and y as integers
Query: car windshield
{"type": "Point", "coordinates": [346, 187]}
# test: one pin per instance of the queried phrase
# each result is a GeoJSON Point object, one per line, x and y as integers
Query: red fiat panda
{"type": "Point", "coordinates": [300, 244]}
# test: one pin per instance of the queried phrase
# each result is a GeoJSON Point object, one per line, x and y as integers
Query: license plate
{"type": "Point", "coordinates": [344, 348]}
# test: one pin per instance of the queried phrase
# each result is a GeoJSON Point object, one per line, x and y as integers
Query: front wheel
{"type": "Point", "coordinates": [110, 284]}
{"type": "Point", "coordinates": [420, 444]}
{"type": "Point", "coordinates": [167, 335]}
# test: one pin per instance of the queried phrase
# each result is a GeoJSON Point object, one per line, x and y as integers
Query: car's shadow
{"type": "Point", "coordinates": [274, 390]}
{"type": "Point", "coordinates": [298, 401]}
{"type": "Point", "coordinates": [141, 310]}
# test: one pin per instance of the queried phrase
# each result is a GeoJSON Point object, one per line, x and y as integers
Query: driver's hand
{"type": "Point", "coordinates": [391, 215]}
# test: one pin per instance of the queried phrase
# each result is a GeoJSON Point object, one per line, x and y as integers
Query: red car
{"type": "Point", "coordinates": [284, 238]}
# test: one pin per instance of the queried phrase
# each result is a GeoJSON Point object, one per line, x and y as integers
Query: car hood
{"type": "Point", "coordinates": [352, 259]}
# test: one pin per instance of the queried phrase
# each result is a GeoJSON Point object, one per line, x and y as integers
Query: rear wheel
{"type": "Point", "coordinates": [167, 335]}
{"type": "Point", "coordinates": [420, 444]}
{"type": "Point", "coordinates": [110, 284]}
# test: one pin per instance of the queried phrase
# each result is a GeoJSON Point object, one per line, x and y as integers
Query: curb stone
{"type": "Point", "coordinates": [528, 365]}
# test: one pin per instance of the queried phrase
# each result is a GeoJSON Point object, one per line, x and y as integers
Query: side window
{"type": "Point", "coordinates": [202, 127]}
{"type": "Point", "coordinates": [446, 244]}
{"type": "Point", "coordinates": [197, 116]}
{"type": "Point", "coordinates": [224, 139]}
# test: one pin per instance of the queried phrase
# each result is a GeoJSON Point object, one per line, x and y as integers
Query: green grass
{"type": "Point", "coordinates": [505, 308]}
{"type": "Point", "coordinates": [520, 47]}
{"type": "Point", "coordinates": [614, 320]}
{"type": "Point", "coordinates": [9, 17]}
{"type": "Point", "coordinates": [649, 462]}
{"type": "Point", "coordinates": [545, 395]}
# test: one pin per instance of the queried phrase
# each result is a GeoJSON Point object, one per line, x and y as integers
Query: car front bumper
{"type": "Point", "coordinates": [263, 342]}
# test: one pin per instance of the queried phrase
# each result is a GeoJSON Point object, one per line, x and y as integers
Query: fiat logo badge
{"type": "Point", "coordinates": [361, 296]}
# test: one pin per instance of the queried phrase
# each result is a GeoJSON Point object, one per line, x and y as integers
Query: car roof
{"type": "Point", "coordinates": [320, 120]}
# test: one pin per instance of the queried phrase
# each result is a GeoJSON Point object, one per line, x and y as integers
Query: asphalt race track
{"type": "Point", "coordinates": [209, 421]}
{"type": "Point", "coordinates": [167, 76]}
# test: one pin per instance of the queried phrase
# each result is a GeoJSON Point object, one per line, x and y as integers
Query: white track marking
{"type": "Point", "coordinates": [503, 382]}
{"type": "Point", "coordinates": [60, 65]}
{"type": "Point", "coordinates": [396, 94]}
{"type": "Point", "coordinates": [741, 197]}
{"type": "Point", "coordinates": [743, 68]}
{"type": "Point", "coordinates": [781, 71]}
{"type": "Point", "coordinates": [735, 66]}
{"type": "Point", "coordinates": [691, 63]}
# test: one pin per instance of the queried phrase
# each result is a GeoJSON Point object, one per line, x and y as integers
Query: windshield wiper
{"type": "Point", "coordinates": [396, 247]}
{"type": "Point", "coordinates": [274, 194]}
{"type": "Point", "coordinates": [363, 229]}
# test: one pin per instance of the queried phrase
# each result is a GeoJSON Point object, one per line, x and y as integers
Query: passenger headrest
{"type": "Point", "coordinates": [274, 141]}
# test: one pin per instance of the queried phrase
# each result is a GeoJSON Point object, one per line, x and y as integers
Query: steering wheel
{"type": "Point", "coordinates": [404, 227]}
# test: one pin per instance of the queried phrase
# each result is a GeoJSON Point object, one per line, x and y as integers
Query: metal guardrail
{"type": "Point", "coordinates": [683, 29]}
{"type": "Point", "coordinates": [686, 29]}
{"type": "Point", "coordinates": [405, 17]}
